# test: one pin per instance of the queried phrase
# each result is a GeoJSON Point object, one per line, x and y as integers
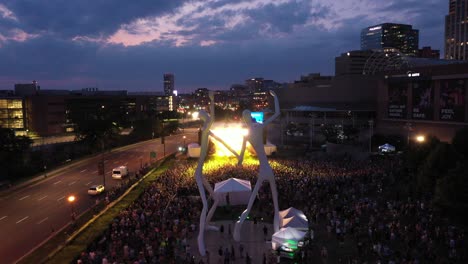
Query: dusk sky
{"type": "Point", "coordinates": [123, 44]}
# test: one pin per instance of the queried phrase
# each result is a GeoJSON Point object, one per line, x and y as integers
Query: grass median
{"type": "Point", "coordinates": [80, 243]}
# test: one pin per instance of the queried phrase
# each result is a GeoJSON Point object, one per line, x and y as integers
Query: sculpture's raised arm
{"type": "Point", "coordinates": [212, 107]}
{"type": "Point", "coordinates": [277, 109]}
{"type": "Point", "coordinates": [220, 140]}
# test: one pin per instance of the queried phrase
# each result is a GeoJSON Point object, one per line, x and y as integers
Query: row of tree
{"type": "Point", "coordinates": [95, 132]}
{"type": "Point", "coordinates": [438, 171]}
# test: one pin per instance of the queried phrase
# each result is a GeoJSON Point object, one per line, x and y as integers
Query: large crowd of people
{"type": "Point", "coordinates": [354, 215]}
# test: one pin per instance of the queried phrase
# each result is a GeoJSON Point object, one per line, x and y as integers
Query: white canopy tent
{"type": "Point", "coordinates": [288, 237]}
{"type": "Point", "coordinates": [193, 150]}
{"type": "Point", "coordinates": [290, 212]}
{"type": "Point", "coordinates": [387, 148]}
{"type": "Point", "coordinates": [238, 191]}
{"type": "Point", "coordinates": [295, 222]}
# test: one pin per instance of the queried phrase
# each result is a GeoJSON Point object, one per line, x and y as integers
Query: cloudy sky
{"type": "Point", "coordinates": [121, 44]}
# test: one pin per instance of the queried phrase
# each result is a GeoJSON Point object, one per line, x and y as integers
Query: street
{"type": "Point", "coordinates": [28, 216]}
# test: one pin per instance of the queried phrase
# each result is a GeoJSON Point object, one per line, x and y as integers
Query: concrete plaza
{"type": "Point", "coordinates": [252, 239]}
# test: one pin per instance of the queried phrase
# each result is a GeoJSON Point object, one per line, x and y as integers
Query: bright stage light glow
{"type": "Point", "coordinates": [232, 135]}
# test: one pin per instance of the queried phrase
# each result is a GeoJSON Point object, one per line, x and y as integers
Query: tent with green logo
{"type": "Point", "coordinates": [287, 238]}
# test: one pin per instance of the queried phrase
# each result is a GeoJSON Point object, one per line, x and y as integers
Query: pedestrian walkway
{"type": "Point", "coordinates": [252, 240]}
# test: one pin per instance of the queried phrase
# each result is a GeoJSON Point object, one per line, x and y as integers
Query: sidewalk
{"type": "Point", "coordinates": [252, 240]}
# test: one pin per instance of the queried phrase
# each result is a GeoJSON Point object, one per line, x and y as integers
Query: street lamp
{"type": "Point", "coordinates": [409, 127]}
{"type": "Point", "coordinates": [420, 138]}
{"type": "Point", "coordinates": [71, 199]}
{"type": "Point", "coordinates": [184, 137]}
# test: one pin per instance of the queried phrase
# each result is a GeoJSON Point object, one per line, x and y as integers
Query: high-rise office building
{"type": "Point", "coordinates": [389, 35]}
{"type": "Point", "coordinates": [456, 36]}
{"type": "Point", "coordinates": [168, 84]}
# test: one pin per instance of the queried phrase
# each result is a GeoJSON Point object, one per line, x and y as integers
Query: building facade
{"type": "Point", "coordinates": [389, 35]}
{"type": "Point", "coordinates": [429, 101]}
{"type": "Point", "coordinates": [429, 53]}
{"type": "Point", "coordinates": [352, 62]}
{"type": "Point", "coordinates": [12, 113]}
{"type": "Point", "coordinates": [456, 26]}
{"type": "Point", "coordinates": [169, 85]}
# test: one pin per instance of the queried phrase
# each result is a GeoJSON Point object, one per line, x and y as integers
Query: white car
{"type": "Point", "coordinates": [120, 172]}
{"type": "Point", "coordinates": [96, 189]}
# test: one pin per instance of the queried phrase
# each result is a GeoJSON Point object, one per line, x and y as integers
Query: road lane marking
{"type": "Point", "coordinates": [94, 171]}
{"type": "Point", "coordinates": [3, 217]}
{"type": "Point", "coordinates": [84, 170]}
{"type": "Point", "coordinates": [57, 182]}
{"type": "Point", "coordinates": [115, 162]}
{"type": "Point", "coordinates": [71, 183]}
{"type": "Point", "coordinates": [42, 221]}
{"type": "Point", "coordinates": [89, 183]}
{"type": "Point", "coordinates": [126, 163]}
{"type": "Point", "coordinates": [42, 198]}
{"type": "Point", "coordinates": [60, 198]}
{"type": "Point", "coordinates": [19, 221]}
{"type": "Point", "coordinates": [22, 198]}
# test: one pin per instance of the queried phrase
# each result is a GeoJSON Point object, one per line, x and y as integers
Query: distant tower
{"type": "Point", "coordinates": [389, 35]}
{"type": "Point", "coordinates": [456, 36]}
{"type": "Point", "coordinates": [168, 84]}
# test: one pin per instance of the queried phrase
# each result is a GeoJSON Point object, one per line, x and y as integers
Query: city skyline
{"type": "Point", "coordinates": [209, 44]}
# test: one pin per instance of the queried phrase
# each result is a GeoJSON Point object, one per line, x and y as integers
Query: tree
{"type": "Point", "coordinates": [440, 160]}
{"type": "Point", "coordinates": [13, 151]}
{"type": "Point", "coordinates": [451, 193]}
{"type": "Point", "coordinates": [460, 141]}
{"type": "Point", "coordinates": [417, 153]}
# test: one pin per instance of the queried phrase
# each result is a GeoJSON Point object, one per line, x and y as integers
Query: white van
{"type": "Point", "coordinates": [120, 172]}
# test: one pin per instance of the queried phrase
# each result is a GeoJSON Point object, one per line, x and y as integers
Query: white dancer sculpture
{"type": "Point", "coordinates": [202, 183]}
{"type": "Point", "coordinates": [255, 137]}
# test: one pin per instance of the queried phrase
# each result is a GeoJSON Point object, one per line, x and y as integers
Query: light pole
{"type": "Point", "coordinates": [312, 130]}
{"type": "Point", "coordinates": [184, 140]}
{"type": "Point", "coordinates": [409, 128]}
{"type": "Point", "coordinates": [101, 165]}
{"type": "Point", "coordinates": [71, 200]}
{"type": "Point", "coordinates": [371, 133]}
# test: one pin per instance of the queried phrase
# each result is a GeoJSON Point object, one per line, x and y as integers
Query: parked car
{"type": "Point", "coordinates": [96, 189]}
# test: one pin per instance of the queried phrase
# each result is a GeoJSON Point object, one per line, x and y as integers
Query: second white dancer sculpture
{"type": "Point", "coordinates": [255, 138]}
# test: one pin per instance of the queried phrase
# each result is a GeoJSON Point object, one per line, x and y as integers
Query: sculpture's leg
{"type": "Point", "coordinates": [212, 210]}
{"type": "Point", "coordinates": [201, 231]}
{"type": "Point", "coordinates": [244, 214]}
{"type": "Point", "coordinates": [274, 195]}
{"type": "Point", "coordinates": [208, 186]}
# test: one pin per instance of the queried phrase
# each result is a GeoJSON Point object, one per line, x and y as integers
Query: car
{"type": "Point", "coordinates": [96, 189]}
{"type": "Point", "coordinates": [298, 133]}
{"type": "Point", "coordinates": [120, 172]}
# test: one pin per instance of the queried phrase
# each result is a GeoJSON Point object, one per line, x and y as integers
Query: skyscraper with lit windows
{"type": "Point", "coordinates": [168, 84]}
{"type": "Point", "coordinates": [391, 36]}
{"type": "Point", "coordinates": [456, 36]}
